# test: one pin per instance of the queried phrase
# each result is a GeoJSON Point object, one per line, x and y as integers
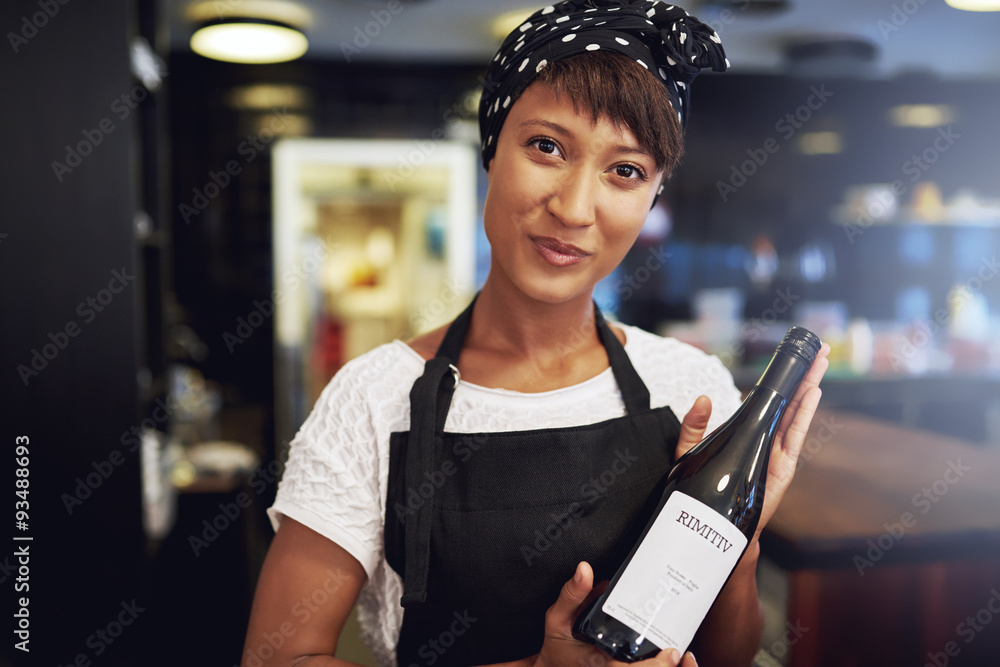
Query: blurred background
{"type": "Point", "coordinates": [193, 242]}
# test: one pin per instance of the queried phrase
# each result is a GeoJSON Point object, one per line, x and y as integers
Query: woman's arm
{"type": "Point", "coordinates": [307, 587]}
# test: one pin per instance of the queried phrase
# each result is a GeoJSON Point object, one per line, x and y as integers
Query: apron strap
{"type": "Point", "coordinates": [430, 400]}
{"type": "Point", "coordinates": [635, 395]}
{"type": "Point", "coordinates": [436, 385]}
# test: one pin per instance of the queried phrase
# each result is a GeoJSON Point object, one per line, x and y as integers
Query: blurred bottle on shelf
{"type": "Point", "coordinates": [860, 346]}
{"type": "Point", "coordinates": [969, 333]}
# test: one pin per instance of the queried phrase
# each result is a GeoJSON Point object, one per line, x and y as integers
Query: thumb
{"type": "Point", "coordinates": [671, 657]}
{"type": "Point", "coordinates": [694, 425]}
{"type": "Point", "coordinates": [560, 617]}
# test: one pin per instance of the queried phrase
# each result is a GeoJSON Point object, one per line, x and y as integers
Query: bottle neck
{"type": "Point", "coordinates": [783, 374]}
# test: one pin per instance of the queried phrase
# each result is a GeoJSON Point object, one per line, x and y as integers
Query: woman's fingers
{"type": "Point", "coordinates": [795, 436]}
{"type": "Point", "coordinates": [560, 616]}
{"type": "Point", "coordinates": [803, 406]}
{"type": "Point", "coordinates": [694, 425]}
{"type": "Point", "coordinates": [812, 379]}
{"type": "Point", "coordinates": [671, 657]}
{"type": "Point", "coordinates": [560, 648]}
{"type": "Point", "coordinates": [791, 436]}
{"type": "Point", "coordinates": [689, 660]}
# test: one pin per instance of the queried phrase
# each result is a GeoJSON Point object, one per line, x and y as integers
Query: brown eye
{"type": "Point", "coordinates": [628, 171]}
{"type": "Point", "coordinates": [547, 146]}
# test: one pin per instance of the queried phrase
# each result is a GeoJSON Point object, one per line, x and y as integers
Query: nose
{"type": "Point", "coordinates": [574, 200]}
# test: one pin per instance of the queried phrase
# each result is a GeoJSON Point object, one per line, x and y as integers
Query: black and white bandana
{"type": "Point", "coordinates": [663, 38]}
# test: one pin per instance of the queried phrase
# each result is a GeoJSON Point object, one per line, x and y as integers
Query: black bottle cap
{"type": "Point", "coordinates": [802, 343]}
{"type": "Point", "coordinates": [791, 361]}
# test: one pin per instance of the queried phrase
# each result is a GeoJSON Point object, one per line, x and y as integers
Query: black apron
{"type": "Point", "coordinates": [485, 528]}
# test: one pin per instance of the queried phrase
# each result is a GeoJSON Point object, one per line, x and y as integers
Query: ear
{"type": "Point", "coordinates": [658, 183]}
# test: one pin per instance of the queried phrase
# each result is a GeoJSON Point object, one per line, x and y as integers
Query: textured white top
{"type": "Point", "coordinates": [336, 477]}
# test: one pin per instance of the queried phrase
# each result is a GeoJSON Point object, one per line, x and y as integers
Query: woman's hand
{"type": "Point", "coordinates": [787, 443]}
{"type": "Point", "coordinates": [561, 649]}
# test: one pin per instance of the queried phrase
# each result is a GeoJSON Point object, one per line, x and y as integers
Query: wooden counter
{"type": "Point", "coordinates": [890, 542]}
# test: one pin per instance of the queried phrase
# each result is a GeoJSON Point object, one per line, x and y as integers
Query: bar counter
{"type": "Point", "coordinates": [889, 542]}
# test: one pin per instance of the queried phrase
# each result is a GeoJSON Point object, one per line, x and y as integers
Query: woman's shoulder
{"type": "Point", "coordinates": [684, 361]}
{"type": "Point", "coordinates": [374, 375]}
{"type": "Point", "coordinates": [395, 356]}
{"type": "Point", "coordinates": [676, 373]}
{"type": "Point", "coordinates": [639, 341]}
{"type": "Point", "coordinates": [366, 396]}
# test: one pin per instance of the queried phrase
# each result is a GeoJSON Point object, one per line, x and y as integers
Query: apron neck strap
{"type": "Point", "coordinates": [427, 404]}
{"type": "Point", "coordinates": [635, 395]}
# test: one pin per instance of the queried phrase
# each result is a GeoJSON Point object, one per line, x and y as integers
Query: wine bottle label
{"type": "Point", "coordinates": [676, 573]}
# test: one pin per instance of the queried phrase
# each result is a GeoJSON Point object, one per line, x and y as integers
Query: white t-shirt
{"type": "Point", "coordinates": [336, 476]}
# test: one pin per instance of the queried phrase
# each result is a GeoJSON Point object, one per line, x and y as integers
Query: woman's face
{"type": "Point", "coordinates": [566, 199]}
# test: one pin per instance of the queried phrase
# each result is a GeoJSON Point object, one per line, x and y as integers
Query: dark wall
{"type": "Point", "coordinates": [65, 237]}
{"type": "Point", "coordinates": [790, 196]}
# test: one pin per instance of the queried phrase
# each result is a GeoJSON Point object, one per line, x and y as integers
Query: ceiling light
{"type": "Point", "coordinates": [249, 40]}
{"type": "Point", "coordinates": [820, 143]}
{"type": "Point", "coordinates": [289, 125]}
{"type": "Point", "coordinates": [267, 96]}
{"type": "Point", "coordinates": [249, 31]}
{"type": "Point", "coordinates": [922, 115]}
{"type": "Point", "coordinates": [975, 5]}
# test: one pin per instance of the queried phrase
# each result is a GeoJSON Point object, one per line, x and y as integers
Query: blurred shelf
{"type": "Point", "coordinates": [958, 404]}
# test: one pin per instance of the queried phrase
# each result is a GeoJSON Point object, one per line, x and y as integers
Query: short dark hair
{"type": "Point", "coordinates": [613, 85]}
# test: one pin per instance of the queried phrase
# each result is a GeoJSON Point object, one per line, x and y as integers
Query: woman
{"type": "Point", "coordinates": [487, 475]}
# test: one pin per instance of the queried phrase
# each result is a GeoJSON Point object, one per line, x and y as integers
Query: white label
{"type": "Point", "coordinates": [677, 572]}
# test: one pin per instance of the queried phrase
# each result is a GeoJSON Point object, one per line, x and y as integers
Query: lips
{"type": "Point", "coordinates": [557, 253]}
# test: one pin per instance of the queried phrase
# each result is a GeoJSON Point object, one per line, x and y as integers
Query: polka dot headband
{"type": "Point", "coordinates": [663, 38]}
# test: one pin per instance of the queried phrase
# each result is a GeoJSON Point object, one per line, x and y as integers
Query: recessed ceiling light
{"type": "Point", "coordinates": [249, 31]}
{"type": "Point", "coordinates": [820, 143]}
{"type": "Point", "coordinates": [267, 96]}
{"type": "Point", "coordinates": [975, 5]}
{"type": "Point", "coordinates": [256, 41]}
{"type": "Point", "coordinates": [921, 115]}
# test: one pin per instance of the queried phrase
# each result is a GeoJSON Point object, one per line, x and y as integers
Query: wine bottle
{"type": "Point", "coordinates": [709, 511]}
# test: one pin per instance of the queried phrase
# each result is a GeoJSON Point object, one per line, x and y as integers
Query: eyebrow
{"type": "Point", "coordinates": [559, 129]}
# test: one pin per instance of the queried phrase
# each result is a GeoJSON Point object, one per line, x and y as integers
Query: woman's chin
{"type": "Point", "coordinates": [556, 291]}
{"type": "Point", "coordinates": [539, 282]}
